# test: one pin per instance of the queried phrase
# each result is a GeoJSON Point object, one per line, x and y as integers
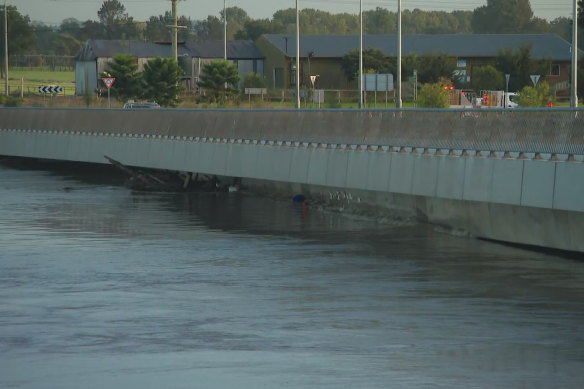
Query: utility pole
{"type": "Point", "coordinates": [574, 91]}
{"type": "Point", "coordinates": [175, 28]}
{"type": "Point", "coordinates": [361, 54]}
{"type": "Point", "coordinates": [6, 91]}
{"type": "Point", "coordinates": [225, 30]}
{"type": "Point", "coordinates": [174, 31]}
{"type": "Point", "coordinates": [297, 56]}
{"type": "Point", "coordinates": [398, 98]}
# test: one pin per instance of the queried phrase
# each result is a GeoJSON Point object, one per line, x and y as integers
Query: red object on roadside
{"type": "Point", "coordinates": [550, 105]}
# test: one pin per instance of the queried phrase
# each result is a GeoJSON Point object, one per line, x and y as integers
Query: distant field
{"type": "Point", "coordinates": [32, 79]}
{"type": "Point", "coordinates": [42, 76]}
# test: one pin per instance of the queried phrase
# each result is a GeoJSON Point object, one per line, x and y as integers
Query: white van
{"type": "Point", "coordinates": [512, 99]}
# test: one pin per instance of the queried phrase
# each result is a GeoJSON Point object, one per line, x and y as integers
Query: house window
{"type": "Point", "coordinates": [555, 70]}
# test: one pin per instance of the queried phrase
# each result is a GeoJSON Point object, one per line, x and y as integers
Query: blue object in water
{"type": "Point", "coordinates": [298, 198]}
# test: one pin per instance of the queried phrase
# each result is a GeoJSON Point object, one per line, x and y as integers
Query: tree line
{"type": "Point", "coordinates": [113, 22]}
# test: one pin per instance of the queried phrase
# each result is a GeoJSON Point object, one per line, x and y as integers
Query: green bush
{"type": "Point", "coordinates": [10, 101]}
{"type": "Point", "coordinates": [254, 80]}
{"type": "Point", "coordinates": [540, 96]}
{"type": "Point", "coordinates": [433, 96]}
{"type": "Point", "coordinates": [487, 78]}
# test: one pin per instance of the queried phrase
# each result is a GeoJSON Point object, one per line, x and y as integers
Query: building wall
{"type": "Point", "coordinates": [330, 74]}
{"type": "Point", "coordinates": [85, 77]}
{"type": "Point", "coordinates": [276, 65]}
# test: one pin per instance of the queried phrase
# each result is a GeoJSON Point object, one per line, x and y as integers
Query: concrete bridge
{"type": "Point", "coordinates": [509, 175]}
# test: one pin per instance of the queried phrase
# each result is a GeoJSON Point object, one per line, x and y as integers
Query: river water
{"type": "Point", "coordinates": [101, 287]}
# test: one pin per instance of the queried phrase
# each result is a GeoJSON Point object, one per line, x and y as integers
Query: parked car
{"type": "Point", "coordinates": [131, 104]}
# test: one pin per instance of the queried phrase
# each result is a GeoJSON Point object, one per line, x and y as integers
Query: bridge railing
{"type": "Point", "coordinates": [554, 131]}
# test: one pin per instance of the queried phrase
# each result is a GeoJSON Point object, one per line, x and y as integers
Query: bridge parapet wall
{"type": "Point", "coordinates": [555, 131]}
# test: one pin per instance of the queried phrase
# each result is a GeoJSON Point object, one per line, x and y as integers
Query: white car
{"type": "Point", "coordinates": [131, 104]}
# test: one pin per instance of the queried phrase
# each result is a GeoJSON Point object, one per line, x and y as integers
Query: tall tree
{"type": "Point", "coordinates": [236, 18]}
{"type": "Point", "coordinates": [161, 81]}
{"type": "Point", "coordinates": [219, 79]}
{"type": "Point", "coordinates": [45, 37]}
{"type": "Point", "coordinates": [66, 44]}
{"type": "Point", "coordinates": [562, 26]}
{"type": "Point", "coordinates": [118, 25]}
{"type": "Point", "coordinates": [92, 30]}
{"type": "Point", "coordinates": [487, 78]}
{"type": "Point", "coordinates": [70, 26]}
{"type": "Point", "coordinates": [436, 22]}
{"type": "Point", "coordinates": [379, 21]}
{"type": "Point", "coordinates": [124, 69]}
{"type": "Point", "coordinates": [210, 28]}
{"type": "Point", "coordinates": [111, 13]}
{"type": "Point", "coordinates": [253, 29]}
{"type": "Point", "coordinates": [519, 64]}
{"type": "Point", "coordinates": [157, 28]}
{"type": "Point", "coordinates": [433, 68]}
{"type": "Point", "coordinates": [374, 61]}
{"type": "Point", "coordinates": [503, 16]}
{"type": "Point", "coordinates": [20, 34]}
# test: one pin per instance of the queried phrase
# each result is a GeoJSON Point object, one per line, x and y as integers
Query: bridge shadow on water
{"type": "Point", "coordinates": [242, 213]}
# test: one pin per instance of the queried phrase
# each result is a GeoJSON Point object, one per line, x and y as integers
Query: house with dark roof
{"type": "Point", "coordinates": [322, 54]}
{"type": "Point", "coordinates": [94, 56]}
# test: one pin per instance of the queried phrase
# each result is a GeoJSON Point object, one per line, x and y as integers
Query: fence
{"type": "Point", "coordinates": [25, 87]}
{"type": "Point", "coordinates": [332, 97]}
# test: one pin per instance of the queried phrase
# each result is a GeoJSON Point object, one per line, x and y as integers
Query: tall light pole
{"type": "Point", "coordinates": [398, 97]}
{"type": "Point", "coordinates": [225, 30]}
{"type": "Point", "coordinates": [574, 91]}
{"type": "Point", "coordinates": [360, 53]}
{"type": "Point", "coordinates": [5, 48]}
{"type": "Point", "coordinates": [297, 56]}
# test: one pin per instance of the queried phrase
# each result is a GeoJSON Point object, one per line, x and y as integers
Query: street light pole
{"type": "Point", "coordinates": [398, 98]}
{"type": "Point", "coordinates": [574, 91]}
{"type": "Point", "coordinates": [6, 91]}
{"type": "Point", "coordinates": [225, 30]}
{"type": "Point", "coordinates": [297, 56]}
{"type": "Point", "coordinates": [361, 54]}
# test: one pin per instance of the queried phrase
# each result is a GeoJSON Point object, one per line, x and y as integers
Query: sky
{"type": "Point", "coordinates": [54, 11]}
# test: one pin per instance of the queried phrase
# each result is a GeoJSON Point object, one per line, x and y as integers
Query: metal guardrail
{"type": "Point", "coordinates": [553, 131]}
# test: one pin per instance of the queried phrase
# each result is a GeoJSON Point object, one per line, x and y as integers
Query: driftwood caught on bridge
{"type": "Point", "coordinates": [165, 180]}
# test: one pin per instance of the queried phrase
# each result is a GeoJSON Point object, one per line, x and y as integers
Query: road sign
{"type": "Point", "coordinates": [50, 89]}
{"type": "Point", "coordinates": [108, 81]}
{"type": "Point", "coordinates": [313, 79]}
{"type": "Point", "coordinates": [256, 91]}
{"type": "Point", "coordinates": [534, 79]}
{"type": "Point", "coordinates": [378, 82]}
